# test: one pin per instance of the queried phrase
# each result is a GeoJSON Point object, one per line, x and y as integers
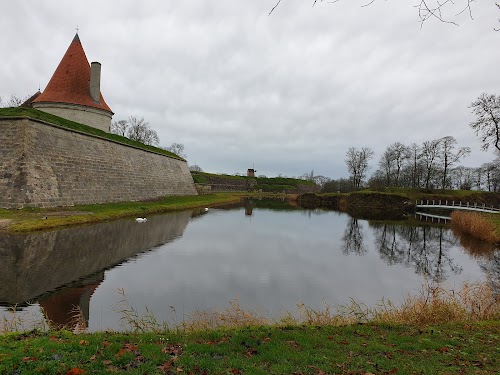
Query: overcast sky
{"type": "Point", "coordinates": [286, 93]}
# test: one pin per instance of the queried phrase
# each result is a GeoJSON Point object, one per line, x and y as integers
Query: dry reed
{"type": "Point", "coordinates": [233, 316]}
{"type": "Point", "coordinates": [432, 305]}
{"type": "Point", "coordinates": [476, 225]}
{"type": "Point", "coordinates": [435, 305]}
{"type": "Point", "coordinates": [19, 321]}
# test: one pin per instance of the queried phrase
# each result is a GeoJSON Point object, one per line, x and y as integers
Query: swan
{"type": "Point", "coordinates": [206, 209]}
{"type": "Point", "coordinates": [141, 219]}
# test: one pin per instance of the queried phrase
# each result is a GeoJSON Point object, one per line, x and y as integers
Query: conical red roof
{"type": "Point", "coordinates": [71, 80]}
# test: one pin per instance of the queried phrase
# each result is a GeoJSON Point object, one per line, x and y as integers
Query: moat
{"type": "Point", "coordinates": [268, 255]}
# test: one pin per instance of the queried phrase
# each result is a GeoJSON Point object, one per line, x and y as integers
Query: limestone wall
{"type": "Point", "coordinates": [42, 165]}
{"type": "Point", "coordinates": [94, 117]}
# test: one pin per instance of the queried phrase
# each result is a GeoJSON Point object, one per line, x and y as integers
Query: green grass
{"type": "Point", "coordinates": [31, 219]}
{"type": "Point", "coordinates": [417, 194]}
{"type": "Point", "coordinates": [52, 119]}
{"type": "Point", "coordinates": [457, 348]}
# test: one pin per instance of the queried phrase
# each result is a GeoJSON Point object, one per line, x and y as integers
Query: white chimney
{"type": "Point", "coordinates": [95, 81]}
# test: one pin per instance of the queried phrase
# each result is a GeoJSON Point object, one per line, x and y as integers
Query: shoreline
{"type": "Point", "coordinates": [36, 219]}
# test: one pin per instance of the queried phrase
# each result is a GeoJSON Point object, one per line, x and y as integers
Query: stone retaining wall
{"type": "Point", "coordinates": [44, 165]}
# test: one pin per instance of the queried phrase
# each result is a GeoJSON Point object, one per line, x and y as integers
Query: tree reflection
{"type": "Point", "coordinates": [426, 249]}
{"type": "Point", "coordinates": [487, 255]}
{"type": "Point", "coordinates": [353, 238]}
{"type": "Point", "coordinates": [491, 266]}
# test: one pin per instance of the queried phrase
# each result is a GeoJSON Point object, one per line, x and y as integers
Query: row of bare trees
{"type": "Point", "coordinates": [433, 164]}
{"type": "Point", "coordinates": [13, 101]}
{"type": "Point", "coordinates": [138, 129]}
{"type": "Point", "coordinates": [427, 165]}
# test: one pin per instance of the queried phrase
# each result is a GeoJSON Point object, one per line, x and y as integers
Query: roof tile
{"type": "Point", "coordinates": [70, 83]}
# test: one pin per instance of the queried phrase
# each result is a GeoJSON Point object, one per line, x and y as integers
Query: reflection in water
{"type": "Point", "coordinates": [425, 248]}
{"type": "Point", "coordinates": [39, 264]}
{"type": "Point", "coordinates": [65, 307]}
{"type": "Point", "coordinates": [353, 238]}
{"type": "Point", "coordinates": [487, 255]}
{"type": "Point", "coordinates": [282, 256]}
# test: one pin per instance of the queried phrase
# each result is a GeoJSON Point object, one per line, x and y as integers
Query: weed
{"type": "Point", "coordinates": [477, 225]}
{"type": "Point", "coordinates": [432, 305]}
{"type": "Point", "coordinates": [16, 320]}
{"type": "Point", "coordinates": [135, 321]}
{"type": "Point", "coordinates": [435, 305]}
{"type": "Point", "coordinates": [233, 316]}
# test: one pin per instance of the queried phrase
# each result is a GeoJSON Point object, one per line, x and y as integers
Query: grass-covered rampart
{"type": "Point", "coordinates": [266, 184]}
{"type": "Point", "coordinates": [394, 203]}
{"type": "Point", "coordinates": [31, 219]}
{"type": "Point", "coordinates": [30, 113]}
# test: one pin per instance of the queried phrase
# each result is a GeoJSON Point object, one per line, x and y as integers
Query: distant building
{"type": "Point", "coordinates": [251, 172]}
{"type": "Point", "coordinates": [74, 91]}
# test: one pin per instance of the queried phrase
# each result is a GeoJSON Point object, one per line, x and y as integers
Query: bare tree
{"type": "Point", "coordinates": [357, 164]}
{"type": "Point", "coordinates": [449, 157]}
{"type": "Point", "coordinates": [139, 130]}
{"type": "Point", "coordinates": [320, 180]}
{"type": "Point", "coordinates": [14, 101]}
{"type": "Point", "coordinates": [427, 9]}
{"type": "Point", "coordinates": [120, 127]}
{"type": "Point", "coordinates": [392, 161]}
{"type": "Point", "coordinates": [487, 124]}
{"type": "Point", "coordinates": [416, 165]}
{"type": "Point", "coordinates": [195, 168]}
{"type": "Point", "coordinates": [177, 148]}
{"type": "Point", "coordinates": [492, 174]}
{"type": "Point", "coordinates": [430, 156]}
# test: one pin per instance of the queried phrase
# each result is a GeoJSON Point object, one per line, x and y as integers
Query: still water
{"type": "Point", "coordinates": [270, 259]}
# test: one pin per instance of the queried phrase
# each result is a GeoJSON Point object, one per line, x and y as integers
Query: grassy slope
{"type": "Point", "coordinates": [47, 117]}
{"type": "Point", "coordinates": [264, 183]}
{"type": "Point", "coordinates": [30, 219]}
{"type": "Point", "coordinates": [354, 349]}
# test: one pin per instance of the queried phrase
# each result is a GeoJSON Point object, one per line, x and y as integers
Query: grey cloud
{"type": "Point", "coordinates": [289, 92]}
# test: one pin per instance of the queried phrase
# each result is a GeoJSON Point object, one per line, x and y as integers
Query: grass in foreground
{"type": "Point", "coordinates": [31, 219]}
{"type": "Point", "coordinates": [355, 349]}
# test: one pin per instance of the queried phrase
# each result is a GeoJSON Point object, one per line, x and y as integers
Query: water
{"type": "Point", "coordinates": [269, 259]}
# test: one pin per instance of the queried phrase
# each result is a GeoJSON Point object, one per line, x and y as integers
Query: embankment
{"type": "Point", "coordinates": [366, 205]}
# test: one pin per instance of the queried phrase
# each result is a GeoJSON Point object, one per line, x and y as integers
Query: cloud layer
{"type": "Point", "coordinates": [288, 93]}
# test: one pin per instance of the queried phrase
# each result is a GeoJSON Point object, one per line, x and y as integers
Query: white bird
{"type": "Point", "coordinates": [141, 219]}
{"type": "Point", "coordinates": [206, 209]}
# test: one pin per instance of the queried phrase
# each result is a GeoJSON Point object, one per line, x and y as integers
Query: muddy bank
{"type": "Point", "coordinates": [374, 206]}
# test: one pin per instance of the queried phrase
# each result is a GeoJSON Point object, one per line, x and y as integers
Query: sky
{"type": "Point", "coordinates": [284, 93]}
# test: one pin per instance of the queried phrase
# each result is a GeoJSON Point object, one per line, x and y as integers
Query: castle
{"type": "Point", "coordinates": [74, 91]}
{"type": "Point", "coordinates": [43, 164]}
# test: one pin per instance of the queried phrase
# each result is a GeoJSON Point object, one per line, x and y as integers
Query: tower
{"type": "Point", "coordinates": [74, 92]}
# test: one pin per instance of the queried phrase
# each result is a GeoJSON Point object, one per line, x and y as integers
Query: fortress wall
{"type": "Point", "coordinates": [94, 117]}
{"type": "Point", "coordinates": [42, 165]}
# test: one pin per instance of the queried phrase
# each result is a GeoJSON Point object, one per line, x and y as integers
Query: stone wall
{"type": "Point", "coordinates": [94, 117]}
{"type": "Point", "coordinates": [43, 165]}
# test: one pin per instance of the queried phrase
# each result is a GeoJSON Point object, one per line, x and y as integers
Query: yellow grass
{"type": "Point", "coordinates": [432, 305]}
{"type": "Point", "coordinates": [475, 224]}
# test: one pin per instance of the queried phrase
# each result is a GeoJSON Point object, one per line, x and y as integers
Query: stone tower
{"type": "Point", "coordinates": [74, 90]}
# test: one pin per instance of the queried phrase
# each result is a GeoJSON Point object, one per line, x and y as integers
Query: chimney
{"type": "Point", "coordinates": [95, 82]}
